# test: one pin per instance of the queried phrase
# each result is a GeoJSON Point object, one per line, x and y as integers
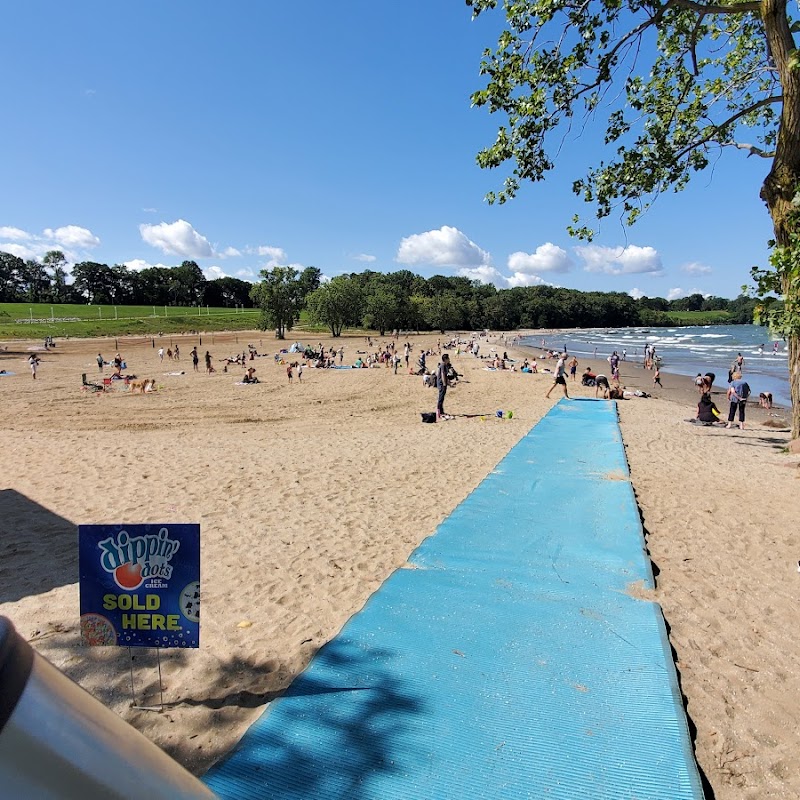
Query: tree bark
{"type": "Point", "coordinates": [783, 181]}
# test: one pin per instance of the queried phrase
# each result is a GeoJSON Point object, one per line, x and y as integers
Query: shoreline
{"type": "Point", "coordinates": [310, 494]}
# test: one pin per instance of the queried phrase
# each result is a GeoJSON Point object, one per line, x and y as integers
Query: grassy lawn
{"type": "Point", "coordinates": [37, 320]}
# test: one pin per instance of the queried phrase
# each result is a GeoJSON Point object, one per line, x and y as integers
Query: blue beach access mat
{"type": "Point", "coordinates": [508, 660]}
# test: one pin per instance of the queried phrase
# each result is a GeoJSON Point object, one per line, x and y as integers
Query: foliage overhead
{"type": "Point", "coordinates": [678, 82]}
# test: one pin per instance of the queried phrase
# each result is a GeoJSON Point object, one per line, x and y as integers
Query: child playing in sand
{"type": "Point", "coordinates": [289, 372]}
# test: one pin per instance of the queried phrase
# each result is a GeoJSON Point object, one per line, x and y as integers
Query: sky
{"type": "Point", "coordinates": [341, 136]}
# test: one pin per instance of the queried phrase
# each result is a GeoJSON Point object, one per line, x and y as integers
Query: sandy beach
{"type": "Point", "coordinates": [310, 494]}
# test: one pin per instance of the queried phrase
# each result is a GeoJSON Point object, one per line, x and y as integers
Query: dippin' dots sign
{"type": "Point", "coordinates": [140, 585]}
{"type": "Point", "coordinates": [134, 559]}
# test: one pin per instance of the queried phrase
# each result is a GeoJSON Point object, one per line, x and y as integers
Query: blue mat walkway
{"type": "Point", "coordinates": [508, 661]}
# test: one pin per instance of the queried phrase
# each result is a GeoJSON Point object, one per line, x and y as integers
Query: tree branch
{"type": "Point", "coordinates": [738, 115]}
{"type": "Point", "coordinates": [710, 8]}
{"type": "Point", "coordinates": [754, 151]}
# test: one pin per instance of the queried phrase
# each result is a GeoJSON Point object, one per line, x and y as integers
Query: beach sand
{"type": "Point", "coordinates": [309, 495]}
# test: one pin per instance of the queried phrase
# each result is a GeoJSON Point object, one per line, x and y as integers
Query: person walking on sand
{"type": "Point", "coordinates": [209, 368]}
{"type": "Point", "coordinates": [289, 372]}
{"type": "Point", "coordinates": [738, 392]}
{"type": "Point", "coordinates": [300, 372]}
{"type": "Point", "coordinates": [657, 378]}
{"type": "Point", "coordinates": [161, 354]}
{"type": "Point", "coordinates": [100, 362]}
{"type": "Point", "coordinates": [33, 360]}
{"type": "Point", "coordinates": [177, 354]}
{"type": "Point", "coordinates": [560, 378]}
{"type": "Point", "coordinates": [195, 358]}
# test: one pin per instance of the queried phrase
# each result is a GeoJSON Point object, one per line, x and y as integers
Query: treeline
{"type": "Point", "coordinates": [371, 300]}
{"type": "Point", "coordinates": [405, 301]}
{"type": "Point", "coordinates": [45, 281]}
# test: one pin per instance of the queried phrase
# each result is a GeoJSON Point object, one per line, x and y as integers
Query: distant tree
{"type": "Point", "coordinates": [228, 292]}
{"type": "Point", "coordinates": [187, 284]}
{"type": "Point", "coordinates": [154, 285]}
{"type": "Point", "coordinates": [12, 269]}
{"type": "Point", "coordinates": [336, 304]}
{"type": "Point", "coordinates": [385, 308]}
{"type": "Point", "coordinates": [310, 279]}
{"type": "Point", "coordinates": [35, 283]}
{"type": "Point", "coordinates": [56, 262]}
{"type": "Point", "coordinates": [93, 282]}
{"type": "Point", "coordinates": [443, 312]}
{"type": "Point", "coordinates": [279, 295]}
{"type": "Point", "coordinates": [653, 303]}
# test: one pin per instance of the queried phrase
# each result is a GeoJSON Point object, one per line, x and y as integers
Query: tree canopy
{"type": "Point", "coordinates": [679, 82]}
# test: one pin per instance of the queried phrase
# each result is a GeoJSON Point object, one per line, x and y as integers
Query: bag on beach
{"type": "Point", "coordinates": [745, 391]}
{"type": "Point", "coordinates": [428, 416]}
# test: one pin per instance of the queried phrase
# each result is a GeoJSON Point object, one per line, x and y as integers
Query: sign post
{"type": "Point", "coordinates": [140, 586]}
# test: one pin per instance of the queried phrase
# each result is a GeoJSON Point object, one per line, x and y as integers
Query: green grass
{"type": "Point", "coordinates": [75, 320]}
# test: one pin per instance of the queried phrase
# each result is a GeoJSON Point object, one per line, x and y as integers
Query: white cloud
{"type": "Point", "coordinates": [275, 254]}
{"type": "Point", "coordinates": [526, 279]}
{"type": "Point", "coordinates": [484, 274]}
{"type": "Point", "coordinates": [71, 239]}
{"type": "Point", "coordinates": [23, 251]}
{"type": "Point", "coordinates": [150, 210]}
{"type": "Point", "coordinates": [446, 247]}
{"type": "Point", "coordinates": [138, 264]}
{"type": "Point", "coordinates": [674, 294]}
{"type": "Point", "coordinates": [230, 252]}
{"type": "Point", "coordinates": [630, 260]}
{"type": "Point", "coordinates": [15, 234]}
{"type": "Point", "coordinates": [73, 236]}
{"type": "Point", "coordinates": [636, 294]}
{"type": "Point", "coordinates": [547, 258]}
{"type": "Point", "coordinates": [177, 238]}
{"type": "Point", "coordinates": [246, 275]}
{"type": "Point", "coordinates": [212, 273]}
{"type": "Point", "coordinates": [366, 258]}
{"type": "Point", "coordinates": [696, 268]}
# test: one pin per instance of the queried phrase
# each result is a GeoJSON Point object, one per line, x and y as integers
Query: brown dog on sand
{"type": "Point", "coordinates": [147, 385]}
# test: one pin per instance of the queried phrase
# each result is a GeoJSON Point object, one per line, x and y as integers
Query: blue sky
{"type": "Point", "coordinates": [244, 135]}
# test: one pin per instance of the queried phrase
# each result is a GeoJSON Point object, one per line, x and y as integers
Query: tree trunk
{"type": "Point", "coordinates": [783, 181]}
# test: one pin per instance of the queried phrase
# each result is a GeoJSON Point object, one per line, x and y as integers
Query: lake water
{"type": "Point", "coordinates": [687, 351]}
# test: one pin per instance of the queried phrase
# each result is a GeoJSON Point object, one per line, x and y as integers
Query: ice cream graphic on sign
{"type": "Point", "coordinates": [140, 585]}
{"type": "Point", "coordinates": [132, 560]}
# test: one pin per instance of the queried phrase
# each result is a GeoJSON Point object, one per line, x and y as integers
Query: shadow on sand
{"type": "Point", "coordinates": [38, 549]}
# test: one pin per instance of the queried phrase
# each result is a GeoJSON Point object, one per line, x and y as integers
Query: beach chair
{"type": "Point", "coordinates": [87, 385]}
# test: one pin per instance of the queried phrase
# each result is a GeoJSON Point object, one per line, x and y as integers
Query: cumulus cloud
{"type": "Point", "coordinates": [547, 258]}
{"type": "Point", "coordinates": [72, 236]}
{"type": "Point", "coordinates": [138, 264]}
{"type": "Point", "coordinates": [230, 252]}
{"type": "Point", "coordinates": [71, 239]}
{"type": "Point", "coordinates": [212, 273]}
{"type": "Point", "coordinates": [696, 268]}
{"type": "Point", "coordinates": [674, 294]}
{"type": "Point", "coordinates": [628, 260]}
{"type": "Point", "coordinates": [484, 274]}
{"type": "Point", "coordinates": [14, 234]}
{"type": "Point", "coordinates": [526, 279]}
{"type": "Point", "coordinates": [636, 294]}
{"type": "Point", "coordinates": [366, 258]}
{"type": "Point", "coordinates": [446, 247]}
{"type": "Point", "coordinates": [276, 254]}
{"type": "Point", "coordinates": [22, 250]}
{"type": "Point", "coordinates": [177, 238]}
